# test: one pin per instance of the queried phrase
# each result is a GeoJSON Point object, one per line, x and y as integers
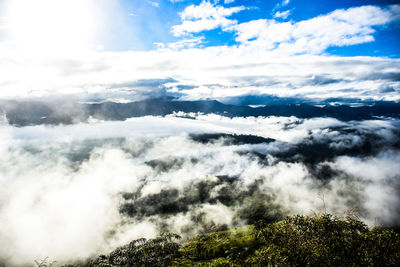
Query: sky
{"type": "Point", "coordinates": [167, 14]}
{"type": "Point", "coordinates": [107, 49]}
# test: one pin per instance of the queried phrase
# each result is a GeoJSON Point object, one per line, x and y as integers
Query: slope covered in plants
{"type": "Point", "coordinates": [322, 240]}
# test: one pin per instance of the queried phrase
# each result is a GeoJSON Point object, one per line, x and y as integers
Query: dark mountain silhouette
{"type": "Point", "coordinates": [230, 139]}
{"type": "Point", "coordinates": [33, 113]}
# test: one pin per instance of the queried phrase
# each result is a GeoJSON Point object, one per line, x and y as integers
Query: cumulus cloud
{"type": "Point", "coordinates": [342, 27]}
{"type": "Point", "coordinates": [205, 16]}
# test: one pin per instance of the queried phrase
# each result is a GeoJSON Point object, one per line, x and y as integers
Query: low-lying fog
{"type": "Point", "coordinates": [69, 192]}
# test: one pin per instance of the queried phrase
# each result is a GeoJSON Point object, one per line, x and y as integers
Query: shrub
{"type": "Point", "coordinates": [328, 241]}
{"type": "Point", "coordinates": [322, 240]}
{"type": "Point", "coordinates": [295, 241]}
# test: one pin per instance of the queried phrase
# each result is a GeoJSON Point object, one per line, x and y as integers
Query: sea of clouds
{"type": "Point", "coordinates": [69, 192]}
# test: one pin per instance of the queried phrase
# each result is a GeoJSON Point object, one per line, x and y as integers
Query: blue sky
{"type": "Point", "coordinates": [151, 21]}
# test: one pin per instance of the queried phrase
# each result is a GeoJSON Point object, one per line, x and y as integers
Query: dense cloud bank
{"type": "Point", "coordinates": [72, 191]}
{"type": "Point", "coordinates": [22, 113]}
{"type": "Point", "coordinates": [192, 74]}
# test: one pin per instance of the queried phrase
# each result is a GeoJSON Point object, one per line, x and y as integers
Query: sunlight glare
{"type": "Point", "coordinates": [52, 26]}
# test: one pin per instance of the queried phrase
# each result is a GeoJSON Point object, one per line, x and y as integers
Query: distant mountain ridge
{"type": "Point", "coordinates": [33, 113]}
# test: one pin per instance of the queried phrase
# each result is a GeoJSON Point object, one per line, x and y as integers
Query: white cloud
{"type": "Point", "coordinates": [264, 63]}
{"type": "Point", "coordinates": [395, 12]}
{"type": "Point", "coordinates": [378, 175]}
{"type": "Point", "coordinates": [263, 33]}
{"type": "Point", "coordinates": [182, 44]}
{"type": "Point", "coordinates": [46, 193]}
{"type": "Point", "coordinates": [205, 16]}
{"type": "Point", "coordinates": [214, 72]}
{"type": "Point", "coordinates": [281, 4]}
{"type": "Point", "coordinates": [228, 1]}
{"type": "Point", "coordinates": [339, 28]}
{"type": "Point", "coordinates": [208, 10]}
{"type": "Point", "coordinates": [154, 4]}
{"type": "Point", "coordinates": [282, 14]}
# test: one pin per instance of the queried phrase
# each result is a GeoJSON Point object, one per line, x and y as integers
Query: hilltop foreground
{"type": "Point", "coordinates": [322, 240]}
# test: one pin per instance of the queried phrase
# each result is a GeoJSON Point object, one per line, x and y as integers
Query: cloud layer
{"type": "Point", "coordinates": [210, 73]}
{"type": "Point", "coordinates": [117, 181]}
{"type": "Point", "coordinates": [271, 57]}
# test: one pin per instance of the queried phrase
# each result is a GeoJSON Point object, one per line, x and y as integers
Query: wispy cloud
{"type": "Point", "coordinates": [154, 4]}
{"type": "Point", "coordinates": [280, 5]}
{"type": "Point", "coordinates": [282, 14]}
{"type": "Point", "coordinates": [182, 44]}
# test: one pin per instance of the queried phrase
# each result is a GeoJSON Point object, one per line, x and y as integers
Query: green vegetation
{"type": "Point", "coordinates": [296, 241]}
{"type": "Point", "coordinates": [322, 240]}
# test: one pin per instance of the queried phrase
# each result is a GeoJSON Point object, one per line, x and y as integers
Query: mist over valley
{"type": "Point", "coordinates": [187, 173]}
